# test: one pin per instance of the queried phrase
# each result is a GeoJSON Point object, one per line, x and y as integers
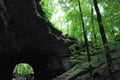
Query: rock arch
{"type": "Point", "coordinates": [26, 38]}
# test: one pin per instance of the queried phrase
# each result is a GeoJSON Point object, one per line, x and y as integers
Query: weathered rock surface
{"type": "Point", "coordinates": [25, 37]}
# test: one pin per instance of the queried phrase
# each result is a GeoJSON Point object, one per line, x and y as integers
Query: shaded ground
{"type": "Point", "coordinates": [99, 65]}
{"type": "Point", "coordinates": [25, 77]}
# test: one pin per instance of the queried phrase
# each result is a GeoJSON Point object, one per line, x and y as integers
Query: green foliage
{"type": "Point", "coordinates": [79, 54]}
{"type": "Point", "coordinates": [65, 16]}
{"type": "Point", "coordinates": [23, 69]}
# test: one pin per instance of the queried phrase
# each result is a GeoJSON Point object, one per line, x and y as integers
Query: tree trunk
{"type": "Point", "coordinates": [95, 39]}
{"type": "Point", "coordinates": [85, 38]}
{"type": "Point", "coordinates": [104, 39]}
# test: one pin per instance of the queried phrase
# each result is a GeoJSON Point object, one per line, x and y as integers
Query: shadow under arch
{"type": "Point", "coordinates": [23, 71]}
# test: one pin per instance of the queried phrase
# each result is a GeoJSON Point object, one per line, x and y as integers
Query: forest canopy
{"type": "Point", "coordinates": [65, 16]}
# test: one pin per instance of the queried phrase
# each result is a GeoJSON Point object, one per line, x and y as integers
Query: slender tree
{"type": "Point", "coordinates": [85, 38]}
{"type": "Point", "coordinates": [104, 39]}
{"type": "Point", "coordinates": [92, 22]}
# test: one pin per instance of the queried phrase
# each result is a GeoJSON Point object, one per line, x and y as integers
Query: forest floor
{"type": "Point", "coordinates": [100, 72]}
{"type": "Point", "coordinates": [99, 67]}
{"type": "Point", "coordinates": [25, 77]}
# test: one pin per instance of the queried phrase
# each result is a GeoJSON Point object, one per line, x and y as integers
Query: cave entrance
{"type": "Point", "coordinates": [23, 71]}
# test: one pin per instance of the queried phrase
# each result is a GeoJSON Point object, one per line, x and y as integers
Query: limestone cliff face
{"type": "Point", "coordinates": [24, 37]}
